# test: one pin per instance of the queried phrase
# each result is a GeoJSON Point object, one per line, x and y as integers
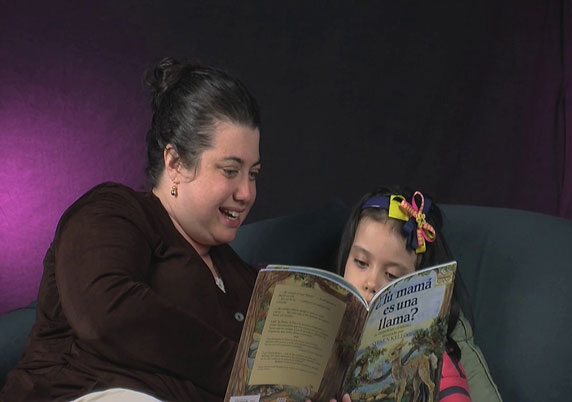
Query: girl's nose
{"type": "Point", "coordinates": [370, 287]}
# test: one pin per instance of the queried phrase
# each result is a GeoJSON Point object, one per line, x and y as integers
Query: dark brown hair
{"type": "Point", "coordinates": [188, 100]}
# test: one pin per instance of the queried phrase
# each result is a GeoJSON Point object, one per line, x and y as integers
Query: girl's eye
{"type": "Point", "coordinates": [360, 263]}
{"type": "Point", "coordinates": [230, 172]}
{"type": "Point", "coordinates": [390, 276]}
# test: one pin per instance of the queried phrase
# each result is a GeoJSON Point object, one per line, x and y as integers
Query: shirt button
{"type": "Point", "coordinates": [238, 316]}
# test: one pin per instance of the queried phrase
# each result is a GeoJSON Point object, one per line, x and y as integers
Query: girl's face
{"type": "Point", "coordinates": [378, 256]}
{"type": "Point", "coordinates": [215, 198]}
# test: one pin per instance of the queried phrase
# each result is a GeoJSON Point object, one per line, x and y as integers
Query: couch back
{"type": "Point", "coordinates": [517, 267]}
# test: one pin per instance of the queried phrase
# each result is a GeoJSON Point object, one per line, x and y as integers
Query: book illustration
{"type": "Point", "coordinates": [403, 340]}
{"type": "Point", "coordinates": [398, 372]}
{"type": "Point", "coordinates": [308, 334]}
{"type": "Point", "coordinates": [417, 370]}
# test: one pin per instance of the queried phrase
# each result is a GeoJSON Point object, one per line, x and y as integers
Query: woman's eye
{"type": "Point", "coordinates": [230, 172]}
{"type": "Point", "coordinates": [253, 175]}
{"type": "Point", "coordinates": [360, 263]}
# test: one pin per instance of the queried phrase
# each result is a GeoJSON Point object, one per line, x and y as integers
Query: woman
{"type": "Point", "coordinates": [140, 289]}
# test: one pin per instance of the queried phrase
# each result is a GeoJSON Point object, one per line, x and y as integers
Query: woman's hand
{"type": "Point", "coordinates": [345, 398]}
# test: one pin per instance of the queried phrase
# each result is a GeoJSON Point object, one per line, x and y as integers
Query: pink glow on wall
{"type": "Point", "coordinates": [56, 143]}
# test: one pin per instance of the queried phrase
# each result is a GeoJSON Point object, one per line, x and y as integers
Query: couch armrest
{"type": "Point", "coordinates": [14, 329]}
{"type": "Point", "coordinates": [516, 265]}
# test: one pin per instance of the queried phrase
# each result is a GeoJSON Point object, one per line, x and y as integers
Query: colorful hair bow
{"type": "Point", "coordinates": [416, 229]}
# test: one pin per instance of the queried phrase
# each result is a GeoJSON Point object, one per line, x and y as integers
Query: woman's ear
{"type": "Point", "coordinates": [173, 163]}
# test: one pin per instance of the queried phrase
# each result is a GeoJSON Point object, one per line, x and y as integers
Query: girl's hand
{"type": "Point", "coordinates": [345, 398]}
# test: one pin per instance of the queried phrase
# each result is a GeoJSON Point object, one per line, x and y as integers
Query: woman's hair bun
{"type": "Point", "coordinates": [160, 77]}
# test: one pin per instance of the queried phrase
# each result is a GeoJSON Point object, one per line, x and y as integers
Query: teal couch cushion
{"type": "Point", "coordinates": [307, 239]}
{"type": "Point", "coordinates": [14, 329]}
{"type": "Point", "coordinates": [517, 266]}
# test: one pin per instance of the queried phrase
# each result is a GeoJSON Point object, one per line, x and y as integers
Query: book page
{"type": "Point", "coordinates": [404, 336]}
{"type": "Point", "coordinates": [330, 276]}
{"type": "Point", "coordinates": [298, 336]}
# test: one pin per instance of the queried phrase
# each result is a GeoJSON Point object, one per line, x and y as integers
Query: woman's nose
{"type": "Point", "coordinates": [245, 191]}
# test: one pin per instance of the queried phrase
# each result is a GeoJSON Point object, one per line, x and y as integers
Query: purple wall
{"type": "Point", "coordinates": [72, 114]}
{"type": "Point", "coordinates": [466, 100]}
{"type": "Point", "coordinates": [60, 135]}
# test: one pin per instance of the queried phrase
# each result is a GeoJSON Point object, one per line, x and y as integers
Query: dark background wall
{"type": "Point", "coordinates": [467, 100]}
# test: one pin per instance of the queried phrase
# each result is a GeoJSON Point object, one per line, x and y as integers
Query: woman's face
{"type": "Point", "coordinates": [378, 256]}
{"type": "Point", "coordinates": [215, 198]}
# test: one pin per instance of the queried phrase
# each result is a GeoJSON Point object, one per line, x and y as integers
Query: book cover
{"type": "Point", "coordinates": [309, 334]}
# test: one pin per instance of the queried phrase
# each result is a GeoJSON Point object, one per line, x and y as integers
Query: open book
{"type": "Point", "coordinates": [309, 334]}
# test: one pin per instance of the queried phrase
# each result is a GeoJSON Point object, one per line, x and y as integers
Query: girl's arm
{"type": "Point", "coordinates": [481, 384]}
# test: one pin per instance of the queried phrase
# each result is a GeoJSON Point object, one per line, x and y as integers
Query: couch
{"type": "Point", "coordinates": [517, 267]}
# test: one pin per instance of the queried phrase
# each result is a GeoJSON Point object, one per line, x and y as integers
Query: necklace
{"type": "Point", "coordinates": [220, 283]}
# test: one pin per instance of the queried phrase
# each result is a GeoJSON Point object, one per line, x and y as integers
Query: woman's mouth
{"type": "Point", "coordinates": [233, 215]}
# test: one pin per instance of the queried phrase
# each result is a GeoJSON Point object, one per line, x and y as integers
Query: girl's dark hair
{"type": "Point", "coordinates": [437, 252]}
{"type": "Point", "coordinates": [188, 100]}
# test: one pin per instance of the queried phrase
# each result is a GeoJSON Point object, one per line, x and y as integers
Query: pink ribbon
{"type": "Point", "coordinates": [425, 232]}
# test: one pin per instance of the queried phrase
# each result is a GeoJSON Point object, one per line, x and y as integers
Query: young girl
{"type": "Point", "coordinates": [391, 233]}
